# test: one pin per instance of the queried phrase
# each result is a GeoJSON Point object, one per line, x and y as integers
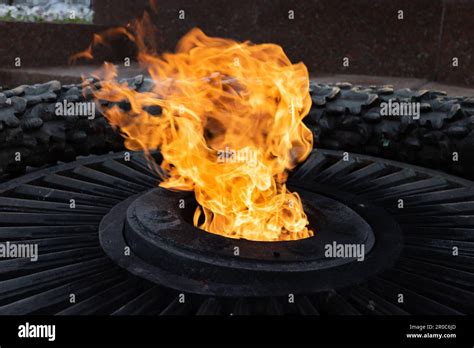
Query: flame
{"type": "Point", "coordinates": [229, 130]}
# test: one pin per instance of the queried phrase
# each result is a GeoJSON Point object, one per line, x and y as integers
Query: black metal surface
{"type": "Point", "coordinates": [437, 216]}
{"type": "Point", "coordinates": [168, 250]}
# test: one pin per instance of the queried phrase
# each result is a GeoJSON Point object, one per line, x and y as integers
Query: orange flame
{"type": "Point", "coordinates": [230, 129]}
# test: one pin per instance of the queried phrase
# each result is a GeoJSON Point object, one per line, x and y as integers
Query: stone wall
{"type": "Point", "coordinates": [50, 44]}
{"type": "Point", "coordinates": [323, 32]}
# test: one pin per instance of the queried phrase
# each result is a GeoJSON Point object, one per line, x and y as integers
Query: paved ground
{"type": "Point", "coordinates": [72, 74]}
{"type": "Point", "coordinates": [396, 82]}
{"type": "Point", "coordinates": [10, 78]}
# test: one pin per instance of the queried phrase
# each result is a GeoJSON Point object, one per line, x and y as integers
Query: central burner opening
{"type": "Point", "coordinates": [316, 219]}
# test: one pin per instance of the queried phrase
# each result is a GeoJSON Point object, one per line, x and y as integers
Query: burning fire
{"type": "Point", "coordinates": [230, 129]}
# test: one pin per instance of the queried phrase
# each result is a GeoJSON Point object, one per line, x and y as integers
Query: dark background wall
{"type": "Point", "coordinates": [323, 32]}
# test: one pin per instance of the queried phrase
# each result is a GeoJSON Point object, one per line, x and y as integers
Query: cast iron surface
{"type": "Point", "coordinates": [170, 251]}
{"type": "Point", "coordinates": [437, 217]}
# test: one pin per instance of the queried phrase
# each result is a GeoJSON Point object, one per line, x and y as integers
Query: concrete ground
{"type": "Point", "coordinates": [10, 78]}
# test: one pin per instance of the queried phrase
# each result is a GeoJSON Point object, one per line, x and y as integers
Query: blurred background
{"type": "Point", "coordinates": [47, 10]}
{"type": "Point", "coordinates": [408, 43]}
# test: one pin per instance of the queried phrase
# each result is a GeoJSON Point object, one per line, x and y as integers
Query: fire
{"type": "Point", "coordinates": [230, 129]}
